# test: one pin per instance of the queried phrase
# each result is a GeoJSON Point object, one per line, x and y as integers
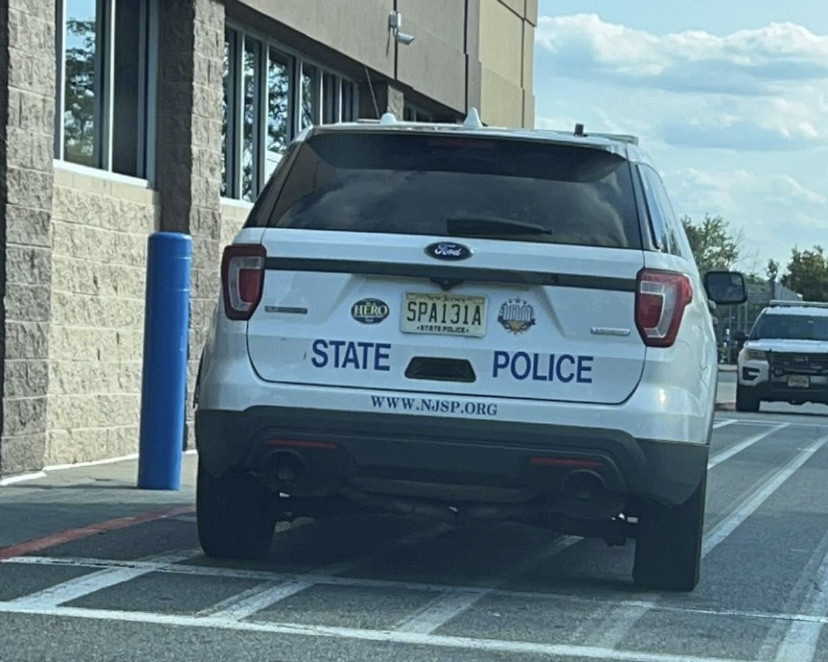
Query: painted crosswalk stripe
{"type": "Point", "coordinates": [742, 445]}
{"type": "Point", "coordinates": [97, 581]}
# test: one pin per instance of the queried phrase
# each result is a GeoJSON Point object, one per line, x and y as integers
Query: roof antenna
{"type": "Point", "coordinates": [472, 120]}
{"type": "Point", "coordinates": [371, 87]}
{"type": "Point", "coordinates": [579, 129]}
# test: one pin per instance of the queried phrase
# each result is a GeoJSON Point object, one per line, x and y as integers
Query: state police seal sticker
{"type": "Point", "coordinates": [516, 316]}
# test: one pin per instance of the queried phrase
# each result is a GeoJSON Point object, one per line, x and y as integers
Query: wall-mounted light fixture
{"type": "Point", "coordinates": [395, 25]}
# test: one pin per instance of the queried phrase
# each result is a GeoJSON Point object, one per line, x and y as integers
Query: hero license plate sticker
{"type": "Point", "coordinates": [444, 314]}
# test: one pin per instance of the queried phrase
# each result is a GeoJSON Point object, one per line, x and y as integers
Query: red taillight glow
{"type": "Point", "coordinates": [292, 443]}
{"type": "Point", "coordinates": [660, 300]}
{"type": "Point", "coordinates": [566, 463]}
{"type": "Point", "coordinates": [242, 276]}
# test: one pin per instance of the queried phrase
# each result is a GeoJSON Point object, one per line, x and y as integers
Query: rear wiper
{"type": "Point", "coordinates": [467, 226]}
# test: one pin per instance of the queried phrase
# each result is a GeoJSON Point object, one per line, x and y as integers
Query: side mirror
{"type": "Point", "coordinates": [725, 287]}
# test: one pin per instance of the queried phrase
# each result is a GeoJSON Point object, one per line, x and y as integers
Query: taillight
{"type": "Point", "coordinates": [660, 300]}
{"type": "Point", "coordinates": [242, 276]}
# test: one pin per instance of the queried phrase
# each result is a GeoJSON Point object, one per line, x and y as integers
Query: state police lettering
{"type": "Point", "coordinates": [351, 354]}
{"type": "Point", "coordinates": [563, 368]}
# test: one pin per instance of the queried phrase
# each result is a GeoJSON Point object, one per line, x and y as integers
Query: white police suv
{"type": "Point", "coordinates": [785, 357]}
{"type": "Point", "coordinates": [466, 323]}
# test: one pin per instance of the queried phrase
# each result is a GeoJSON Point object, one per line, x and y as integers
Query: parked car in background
{"type": "Point", "coordinates": [785, 357]}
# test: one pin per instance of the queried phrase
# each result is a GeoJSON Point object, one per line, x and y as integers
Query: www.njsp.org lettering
{"type": "Point", "coordinates": [433, 405]}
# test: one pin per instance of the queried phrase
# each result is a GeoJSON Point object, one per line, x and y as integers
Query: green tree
{"type": "Point", "coordinates": [81, 96]}
{"type": "Point", "coordinates": [807, 273]}
{"type": "Point", "coordinates": [772, 270]}
{"type": "Point", "coordinates": [714, 246]}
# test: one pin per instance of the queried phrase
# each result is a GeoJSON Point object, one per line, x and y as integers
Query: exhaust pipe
{"type": "Point", "coordinates": [285, 466]}
{"type": "Point", "coordinates": [583, 486]}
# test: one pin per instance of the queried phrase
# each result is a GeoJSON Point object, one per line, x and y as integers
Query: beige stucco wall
{"type": "Point", "coordinates": [355, 28]}
{"type": "Point", "coordinates": [507, 29]}
{"type": "Point", "coordinates": [99, 233]}
{"type": "Point", "coordinates": [434, 64]}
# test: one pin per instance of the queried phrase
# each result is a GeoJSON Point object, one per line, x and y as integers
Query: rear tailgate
{"type": "Point", "coordinates": [535, 299]}
{"type": "Point", "coordinates": [547, 322]}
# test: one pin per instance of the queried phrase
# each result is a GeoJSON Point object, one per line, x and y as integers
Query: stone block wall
{"type": "Point", "coordinates": [100, 228]}
{"type": "Point", "coordinates": [233, 216]}
{"type": "Point", "coordinates": [27, 88]}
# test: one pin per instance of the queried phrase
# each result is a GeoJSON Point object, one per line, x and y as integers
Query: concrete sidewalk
{"type": "Point", "coordinates": [83, 497]}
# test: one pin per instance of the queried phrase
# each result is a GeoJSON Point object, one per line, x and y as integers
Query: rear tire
{"type": "Point", "coordinates": [669, 542]}
{"type": "Point", "coordinates": [235, 516]}
{"type": "Point", "coordinates": [746, 399]}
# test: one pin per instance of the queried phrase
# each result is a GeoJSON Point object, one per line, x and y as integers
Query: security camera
{"type": "Point", "coordinates": [394, 24]}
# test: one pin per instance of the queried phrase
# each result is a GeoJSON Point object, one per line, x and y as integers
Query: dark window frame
{"type": "Point", "coordinates": [109, 153]}
{"type": "Point", "coordinates": [346, 104]}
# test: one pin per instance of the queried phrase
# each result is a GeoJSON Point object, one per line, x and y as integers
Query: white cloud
{"type": "Point", "coordinates": [782, 211]}
{"type": "Point", "coordinates": [745, 62]}
{"type": "Point", "coordinates": [758, 89]}
{"type": "Point", "coordinates": [738, 123]}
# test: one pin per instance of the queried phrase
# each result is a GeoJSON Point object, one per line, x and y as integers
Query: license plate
{"type": "Point", "coordinates": [799, 381]}
{"type": "Point", "coordinates": [444, 314]}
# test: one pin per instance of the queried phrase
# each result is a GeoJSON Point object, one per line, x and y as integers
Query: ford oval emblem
{"type": "Point", "coordinates": [448, 250]}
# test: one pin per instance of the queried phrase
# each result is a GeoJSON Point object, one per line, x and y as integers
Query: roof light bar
{"type": "Point", "coordinates": [781, 303]}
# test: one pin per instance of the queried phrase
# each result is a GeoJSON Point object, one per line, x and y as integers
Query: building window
{"type": "Point", "coordinates": [278, 108]}
{"type": "Point", "coordinates": [270, 95]}
{"type": "Point", "coordinates": [106, 57]}
{"type": "Point", "coordinates": [414, 114]}
{"type": "Point", "coordinates": [251, 117]}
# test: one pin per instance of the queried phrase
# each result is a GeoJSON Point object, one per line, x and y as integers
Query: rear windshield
{"type": "Point", "coordinates": [791, 327]}
{"type": "Point", "coordinates": [456, 186]}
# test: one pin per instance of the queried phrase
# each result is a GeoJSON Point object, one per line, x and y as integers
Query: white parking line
{"type": "Point", "coordinates": [441, 611]}
{"type": "Point", "coordinates": [451, 603]}
{"type": "Point", "coordinates": [810, 577]}
{"type": "Point", "coordinates": [802, 638]}
{"type": "Point", "coordinates": [359, 634]}
{"type": "Point", "coordinates": [773, 421]}
{"type": "Point", "coordinates": [742, 445]}
{"type": "Point", "coordinates": [729, 524]}
{"type": "Point", "coordinates": [357, 582]}
{"type": "Point", "coordinates": [243, 605]}
{"type": "Point", "coordinates": [95, 581]}
{"type": "Point", "coordinates": [246, 604]}
{"type": "Point", "coordinates": [620, 621]}
{"type": "Point", "coordinates": [724, 423]}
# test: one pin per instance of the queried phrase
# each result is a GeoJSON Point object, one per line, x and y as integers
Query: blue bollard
{"type": "Point", "coordinates": [164, 377]}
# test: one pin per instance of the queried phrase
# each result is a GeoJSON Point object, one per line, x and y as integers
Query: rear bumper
{"type": "Point", "coordinates": [334, 449]}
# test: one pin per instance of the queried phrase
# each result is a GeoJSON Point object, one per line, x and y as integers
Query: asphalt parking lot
{"type": "Point", "coordinates": [93, 569]}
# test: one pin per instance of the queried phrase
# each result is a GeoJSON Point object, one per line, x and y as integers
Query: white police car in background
{"type": "Point", "coordinates": [466, 323]}
{"type": "Point", "coordinates": [785, 357]}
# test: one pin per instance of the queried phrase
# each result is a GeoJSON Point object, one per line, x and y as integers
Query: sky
{"type": "Point", "coordinates": [729, 99]}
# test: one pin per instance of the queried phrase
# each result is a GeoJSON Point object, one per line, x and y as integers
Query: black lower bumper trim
{"type": "Point", "coordinates": [781, 392]}
{"type": "Point", "coordinates": [329, 448]}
